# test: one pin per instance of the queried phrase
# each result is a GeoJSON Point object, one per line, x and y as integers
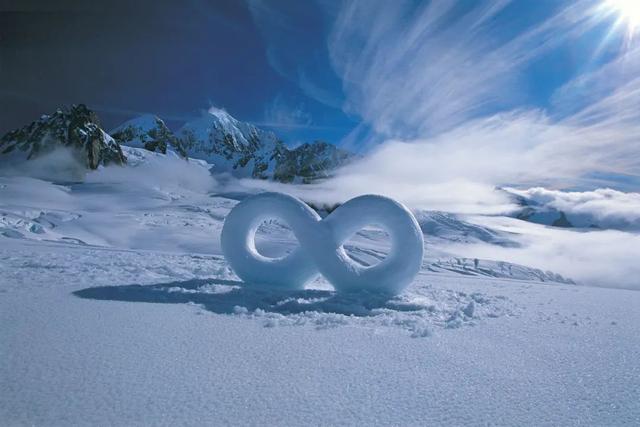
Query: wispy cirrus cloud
{"type": "Point", "coordinates": [520, 148]}
{"type": "Point", "coordinates": [295, 47]}
{"type": "Point", "coordinates": [413, 70]}
{"type": "Point", "coordinates": [445, 91]}
{"type": "Point", "coordinates": [438, 88]}
{"type": "Point", "coordinates": [310, 88]}
{"type": "Point", "coordinates": [597, 83]}
{"type": "Point", "coordinates": [280, 113]}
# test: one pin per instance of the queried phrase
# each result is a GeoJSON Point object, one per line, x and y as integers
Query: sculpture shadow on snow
{"type": "Point", "coordinates": [233, 297]}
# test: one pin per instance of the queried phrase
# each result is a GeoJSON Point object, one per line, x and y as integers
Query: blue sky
{"type": "Point", "coordinates": [359, 73]}
{"type": "Point", "coordinates": [499, 92]}
{"type": "Point", "coordinates": [348, 73]}
{"type": "Point", "coordinates": [310, 53]}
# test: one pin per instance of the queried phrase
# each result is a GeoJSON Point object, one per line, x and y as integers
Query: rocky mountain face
{"type": "Point", "coordinates": [148, 132]}
{"type": "Point", "coordinates": [310, 161]}
{"type": "Point", "coordinates": [231, 146]}
{"type": "Point", "coordinates": [247, 151]}
{"type": "Point", "coordinates": [76, 128]}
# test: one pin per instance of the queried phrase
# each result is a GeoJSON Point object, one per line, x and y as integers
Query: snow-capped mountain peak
{"type": "Point", "coordinates": [150, 132]}
{"type": "Point", "coordinates": [217, 127]}
{"type": "Point", "coordinates": [146, 121]}
{"type": "Point", "coordinates": [230, 145]}
{"type": "Point", "coordinates": [222, 115]}
{"type": "Point", "coordinates": [76, 128]}
{"type": "Point", "coordinates": [245, 150]}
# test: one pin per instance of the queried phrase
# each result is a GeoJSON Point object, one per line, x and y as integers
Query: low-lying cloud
{"type": "Point", "coordinates": [165, 172]}
{"type": "Point", "coordinates": [459, 170]}
{"type": "Point", "coordinates": [63, 164]}
{"type": "Point", "coordinates": [607, 258]}
{"type": "Point", "coordinates": [605, 207]}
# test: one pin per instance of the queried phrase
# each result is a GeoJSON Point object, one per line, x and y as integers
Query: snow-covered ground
{"type": "Point", "coordinates": [117, 307]}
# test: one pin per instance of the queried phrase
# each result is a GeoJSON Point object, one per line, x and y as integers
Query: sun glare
{"type": "Point", "coordinates": [628, 12]}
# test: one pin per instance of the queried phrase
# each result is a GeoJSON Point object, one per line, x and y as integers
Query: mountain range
{"type": "Point", "coordinates": [229, 145]}
{"type": "Point", "coordinates": [224, 145]}
{"type": "Point", "coordinates": [77, 129]}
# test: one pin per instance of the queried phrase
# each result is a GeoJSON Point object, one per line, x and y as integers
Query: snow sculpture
{"type": "Point", "coordinates": [320, 243]}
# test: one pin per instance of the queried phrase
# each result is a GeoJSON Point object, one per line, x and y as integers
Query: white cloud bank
{"type": "Point", "coordinates": [605, 208]}
{"type": "Point", "coordinates": [607, 258]}
{"type": "Point", "coordinates": [61, 164]}
{"type": "Point", "coordinates": [147, 169]}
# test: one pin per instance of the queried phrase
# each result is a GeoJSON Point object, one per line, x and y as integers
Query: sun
{"type": "Point", "coordinates": [628, 12]}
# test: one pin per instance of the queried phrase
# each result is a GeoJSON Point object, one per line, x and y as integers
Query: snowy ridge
{"type": "Point", "coordinates": [218, 125]}
{"type": "Point", "coordinates": [451, 227]}
{"type": "Point", "coordinates": [229, 145]}
{"type": "Point", "coordinates": [148, 132]}
{"type": "Point", "coordinates": [245, 150]}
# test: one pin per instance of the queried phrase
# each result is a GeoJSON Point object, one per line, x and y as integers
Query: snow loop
{"type": "Point", "coordinates": [320, 249]}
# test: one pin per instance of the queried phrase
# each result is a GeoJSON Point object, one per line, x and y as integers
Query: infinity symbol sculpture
{"type": "Point", "coordinates": [320, 243]}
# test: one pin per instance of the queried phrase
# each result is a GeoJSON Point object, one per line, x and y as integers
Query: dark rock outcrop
{"type": "Point", "coordinates": [76, 128]}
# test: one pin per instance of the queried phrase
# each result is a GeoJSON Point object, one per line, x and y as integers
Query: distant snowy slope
{"type": "Point", "coordinates": [245, 150]}
{"type": "Point", "coordinates": [231, 145]}
{"type": "Point", "coordinates": [451, 227]}
{"type": "Point", "coordinates": [148, 132]}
